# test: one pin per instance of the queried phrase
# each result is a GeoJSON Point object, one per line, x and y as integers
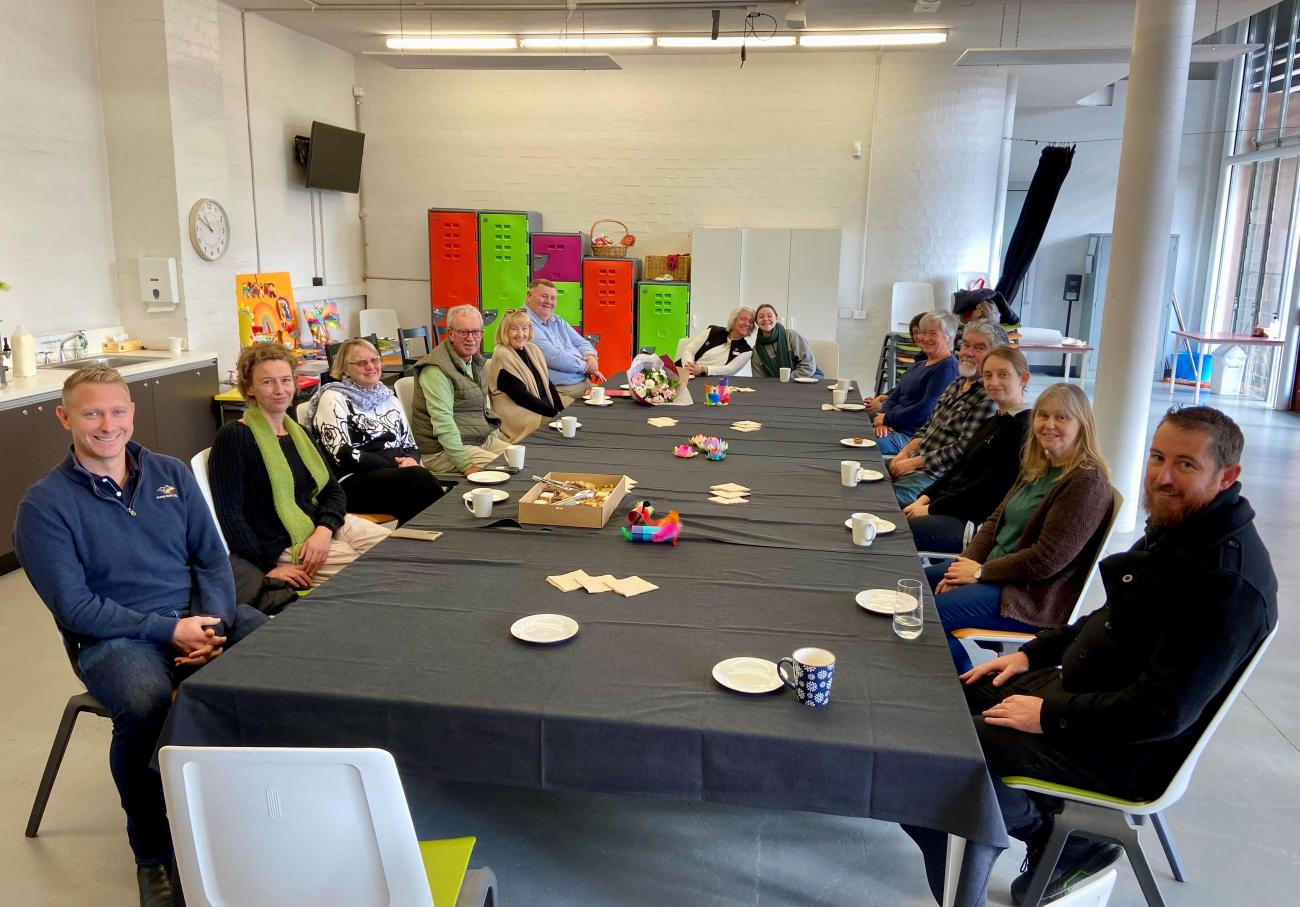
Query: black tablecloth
{"type": "Point", "coordinates": [409, 648]}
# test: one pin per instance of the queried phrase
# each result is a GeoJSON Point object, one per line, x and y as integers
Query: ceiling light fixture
{"type": "Point", "coordinates": [796, 16]}
{"type": "Point", "coordinates": [874, 39]}
{"type": "Point", "coordinates": [610, 42]}
{"type": "Point", "coordinates": [452, 43]}
{"type": "Point", "coordinates": [702, 43]}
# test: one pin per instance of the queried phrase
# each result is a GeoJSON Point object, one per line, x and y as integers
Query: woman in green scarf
{"type": "Point", "coordinates": [776, 348]}
{"type": "Point", "coordinates": [278, 506]}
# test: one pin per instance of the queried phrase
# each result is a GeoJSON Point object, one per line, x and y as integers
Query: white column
{"type": "Point", "coordinates": [1148, 170]}
{"type": "Point", "coordinates": [1004, 177]}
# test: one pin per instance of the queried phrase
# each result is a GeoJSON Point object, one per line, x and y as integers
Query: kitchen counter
{"type": "Point", "coordinates": [47, 383]}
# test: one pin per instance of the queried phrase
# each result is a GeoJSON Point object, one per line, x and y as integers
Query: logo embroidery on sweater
{"type": "Point", "coordinates": [166, 491]}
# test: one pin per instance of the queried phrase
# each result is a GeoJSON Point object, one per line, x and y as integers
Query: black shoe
{"type": "Point", "coordinates": [155, 885]}
{"type": "Point", "coordinates": [1079, 860]}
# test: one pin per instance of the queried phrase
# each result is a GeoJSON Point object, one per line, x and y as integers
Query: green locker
{"type": "Point", "coordinates": [505, 260]}
{"type": "Point", "coordinates": [568, 303]}
{"type": "Point", "coordinates": [662, 315]}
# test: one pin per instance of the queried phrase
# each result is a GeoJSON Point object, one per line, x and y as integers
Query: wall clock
{"type": "Point", "coordinates": [209, 229]}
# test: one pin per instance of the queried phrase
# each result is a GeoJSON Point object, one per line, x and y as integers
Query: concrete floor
{"type": "Point", "coordinates": [1238, 826]}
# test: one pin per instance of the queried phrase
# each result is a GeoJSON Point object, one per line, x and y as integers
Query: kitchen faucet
{"type": "Point", "coordinates": [79, 336]}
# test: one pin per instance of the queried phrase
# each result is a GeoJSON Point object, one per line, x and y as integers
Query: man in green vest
{"type": "Point", "coordinates": [451, 413]}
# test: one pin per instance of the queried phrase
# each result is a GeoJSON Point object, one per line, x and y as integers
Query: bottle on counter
{"type": "Point", "coordinates": [24, 353]}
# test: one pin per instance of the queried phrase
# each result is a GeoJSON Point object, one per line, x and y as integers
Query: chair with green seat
{"type": "Point", "coordinates": [1103, 817]}
{"type": "Point", "coordinates": [325, 827]}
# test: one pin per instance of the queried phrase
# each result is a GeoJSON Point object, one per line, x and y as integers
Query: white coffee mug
{"type": "Point", "coordinates": [864, 529]}
{"type": "Point", "coordinates": [850, 473]}
{"type": "Point", "coordinates": [839, 396]}
{"type": "Point", "coordinates": [785, 374]}
{"type": "Point", "coordinates": [515, 456]}
{"type": "Point", "coordinates": [569, 426]}
{"type": "Point", "coordinates": [479, 502]}
{"type": "Point", "coordinates": [176, 345]}
{"type": "Point", "coordinates": [597, 395]}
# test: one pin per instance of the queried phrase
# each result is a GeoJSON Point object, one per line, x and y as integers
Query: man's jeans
{"type": "Point", "coordinates": [134, 679]}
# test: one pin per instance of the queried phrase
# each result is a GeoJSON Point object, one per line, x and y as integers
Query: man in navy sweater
{"type": "Point", "coordinates": [121, 547]}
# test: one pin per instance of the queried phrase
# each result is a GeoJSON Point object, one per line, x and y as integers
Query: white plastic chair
{"type": "Point", "coordinates": [320, 827]}
{"type": "Point", "coordinates": [827, 354]}
{"type": "Point", "coordinates": [909, 299]}
{"type": "Point", "coordinates": [1109, 818]}
{"type": "Point", "coordinates": [199, 466]}
{"type": "Point", "coordinates": [1093, 893]}
{"type": "Point", "coordinates": [405, 390]}
{"type": "Point", "coordinates": [380, 322]}
{"type": "Point", "coordinates": [1005, 638]}
{"type": "Point", "coordinates": [681, 348]}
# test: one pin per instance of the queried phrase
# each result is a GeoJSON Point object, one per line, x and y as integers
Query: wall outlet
{"type": "Point", "coordinates": [859, 316]}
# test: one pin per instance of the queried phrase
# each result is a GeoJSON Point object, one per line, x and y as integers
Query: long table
{"type": "Point", "coordinates": [409, 648]}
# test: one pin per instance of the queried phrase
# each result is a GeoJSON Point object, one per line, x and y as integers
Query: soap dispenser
{"type": "Point", "coordinates": [24, 353]}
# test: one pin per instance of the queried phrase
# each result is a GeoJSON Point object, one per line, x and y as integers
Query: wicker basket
{"type": "Point", "coordinates": [617, 250]}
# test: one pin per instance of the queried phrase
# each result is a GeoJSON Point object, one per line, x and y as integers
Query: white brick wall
{"type": "Point", "coordinates": [672, 142]}
{"type": "Point", "coordinates": [56, 239]}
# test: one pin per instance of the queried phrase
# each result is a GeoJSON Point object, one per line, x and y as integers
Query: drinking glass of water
{"type": "Point", "coordinates": [909, 610]}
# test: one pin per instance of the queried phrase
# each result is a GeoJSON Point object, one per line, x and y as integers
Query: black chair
{"type": "Point", "coordinates": [77, 703]}
{"type": "Point", "coordinates": [439, 325]}
{"type": "Point", "coordinates": [332, 348]}
{"type": "Point", "coordinates": [410, 334]}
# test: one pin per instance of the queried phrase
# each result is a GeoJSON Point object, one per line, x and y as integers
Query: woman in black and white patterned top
{"type": "Point", "coordinates": [367, 440]}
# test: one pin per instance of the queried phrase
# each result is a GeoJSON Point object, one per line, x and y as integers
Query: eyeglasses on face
{"type": "Point", "coordinates": [363, 363]}
{"type": "Point", "coordinates": [472, 332]}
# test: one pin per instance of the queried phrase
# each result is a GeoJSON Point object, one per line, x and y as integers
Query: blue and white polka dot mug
{"type": "Point", "coordinates": [811, 673]}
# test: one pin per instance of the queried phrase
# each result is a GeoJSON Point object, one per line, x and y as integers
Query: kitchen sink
{"type": "Point", "coordinates": [110, 361]}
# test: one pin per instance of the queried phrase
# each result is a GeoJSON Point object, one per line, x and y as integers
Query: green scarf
{"type": "Point", "coordinates": [764, 347]}
{"type": "Point", "coordinates": [299, 525]}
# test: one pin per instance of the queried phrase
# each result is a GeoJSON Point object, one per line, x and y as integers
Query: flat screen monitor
{"type": "Point", "coordinates": [334, 161]}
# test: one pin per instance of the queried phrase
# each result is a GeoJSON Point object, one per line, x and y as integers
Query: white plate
{"type": "Point", "coordinates": [601, 403]}
{"type": "Point", "coordinates": [853, 407]}
{"type": "Point", "coordinates": [556, 425]}
{"type": "Point", "coordinates": [866, 442]}
{"type": "Point", "coordinates": [881, 601]}
{"type": "Point", "coordinates": [870, 475]}
{"type": "Point", "coordinates": [748, 675]}
{"type": "Point", "coordinates": [806, 380]}
{"type": "Point", "coordinates": [882, 526]}
{"type": "Point", "coordinates": [498, 495]}
{"type": "Point", "coordinates": [544, 629]}
{"type": "Point", "coordinates": [489, 477]}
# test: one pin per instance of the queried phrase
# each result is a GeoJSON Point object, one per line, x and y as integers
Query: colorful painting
{"type": "Point", "coordinates": [266, 309]}
{"type": "Point", "coordinates": [322, 324]}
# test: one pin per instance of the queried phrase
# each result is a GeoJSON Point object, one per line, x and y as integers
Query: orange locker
{"type": "Point", "coordinates": [609, 308]}
{"type": "Point", "coordinates": [453, 259]}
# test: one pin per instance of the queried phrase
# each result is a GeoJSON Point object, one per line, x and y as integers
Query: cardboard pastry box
{"type": "Point", "coordinates": [585, 515]}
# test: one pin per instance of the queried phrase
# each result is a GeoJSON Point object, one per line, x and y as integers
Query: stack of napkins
{"type": "Point", "coordinates": [746, 425]}
{"type": "Point", "coordinates": [579, 579]}
{"type": "Point", "coordinates": [662, 421]}
{"type": "Point", "coordinates": [742, 390]}
{"type": "Point", "coordinates": [730, 493]}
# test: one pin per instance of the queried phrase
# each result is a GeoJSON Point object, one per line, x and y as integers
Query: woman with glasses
{"type": "Point", "coordinates": [367, 439]}
{"type": "Point", "coordinates": [518, 380]}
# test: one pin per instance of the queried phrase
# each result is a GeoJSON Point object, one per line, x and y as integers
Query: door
{"type": "Point", "coordinates": [715, 275]}
{"type": "Point", "coordinates": [607, 303]}
{"type": "Point", "coordinates": [183, 417]}
{"type": "Point", "coordinates": [568, 301]}
{"type": "Point", "coordinates": [765, 269]}
{"type": "Point", "coordinates": [558, 256]}
{"type": "Point", "coordinates": [504, 263]}
{"type": "Point", "coordinates": [33, 442]}
{"type": "Point", "coordinates": [662, 315]}
{"type": "Point", "coordinates": [453, 259]}
{"type": "Point", "coordinates": [813, 298]}
{"type": "Point", "coordinates": [146, 431]}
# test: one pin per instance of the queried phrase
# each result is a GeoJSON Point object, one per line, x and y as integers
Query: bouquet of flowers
{"type": "Point", "coordinates": [652, 380]}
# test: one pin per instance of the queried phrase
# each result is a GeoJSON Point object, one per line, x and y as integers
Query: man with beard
{"type": "Point", "coordinates": [1114, 702]}
{"type": "Point", "coordinates": [958, 414]}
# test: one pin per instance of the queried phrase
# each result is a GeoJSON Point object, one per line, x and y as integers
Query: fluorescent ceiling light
{"type": "Point", "coordinates": [508, 61]}
{"type": "Point", "coordinates": [704, 43]}
{"type": "Point", "coordinates": [876, 39]}
{"type": "Point", "coordinates": [1059, 56]}
{"type": "Point", "coordinates": [451, 43]}
{"type": "Point", "coordinates": [610, 42]}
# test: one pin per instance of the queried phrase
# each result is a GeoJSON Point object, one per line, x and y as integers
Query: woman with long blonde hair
{"type": "Point", "coordinates": [522, 394]}
{"type": "Point", "coordinates": [1026, 566]}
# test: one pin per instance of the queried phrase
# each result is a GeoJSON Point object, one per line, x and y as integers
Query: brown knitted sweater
{"type": "Point", "coordinates": [1041, 580]}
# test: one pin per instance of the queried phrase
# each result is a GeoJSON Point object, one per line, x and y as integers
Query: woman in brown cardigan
{"type": "Point", "coordinates": [1026, 566]}
{"type": "Point", "coordinates": [522, 394]}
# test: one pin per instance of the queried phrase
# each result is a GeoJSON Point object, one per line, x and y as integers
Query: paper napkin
{"type": "Point", "coordinates": [632, 585]}
{"type": "Point", "coordinates": [735, 500]}
{"type": "Point", "coordinates": [662, 421]}
{"type": "Point", "coordinates": [566, 582]}
{"type": "Point", "coordinates": [730, 486]}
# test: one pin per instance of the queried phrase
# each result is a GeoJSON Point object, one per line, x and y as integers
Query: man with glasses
{"type": "Point", "coordinates": [570, 358]}
{"type": "Point", "coordinates": [451, 413]}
